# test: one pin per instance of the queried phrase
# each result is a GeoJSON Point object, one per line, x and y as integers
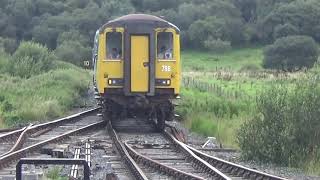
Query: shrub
{"type": "Point", "coordinates": [286, 130]}
{"type": "Point", "coordinates": [291, 53]}
{"type": "Point", "coordinates": [73, 52]}
{"type": "Point", "coordinates": [31, 59]}
{"type": "Point", "coordinates": [217, 45]}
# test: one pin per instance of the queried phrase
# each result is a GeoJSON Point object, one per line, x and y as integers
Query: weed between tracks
{"type": "Point", "coordinates": [54, 174]}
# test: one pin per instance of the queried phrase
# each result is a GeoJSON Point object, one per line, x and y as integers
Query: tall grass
{"type": "Point", "coordinates": [43, 89]}
{"type": "Point", "coordinates": [211, 115]}
{"type": "Point", "coordinates": [286, 127]}
{"type": "Point", "coordinates": [42, 96]}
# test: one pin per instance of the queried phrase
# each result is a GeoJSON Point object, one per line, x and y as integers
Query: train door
{"type": "Point", "coordinates": [139, 63]}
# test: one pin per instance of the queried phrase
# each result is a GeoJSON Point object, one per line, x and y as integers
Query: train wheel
{"type": "Point", "coordinates": [160, 119]}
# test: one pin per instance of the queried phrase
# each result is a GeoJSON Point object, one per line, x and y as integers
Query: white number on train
{"type": "Point", "coordinates": [166, 68]}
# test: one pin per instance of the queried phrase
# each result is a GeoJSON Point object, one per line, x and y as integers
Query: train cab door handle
{"type": "Point", "coordinates": [145, 64]}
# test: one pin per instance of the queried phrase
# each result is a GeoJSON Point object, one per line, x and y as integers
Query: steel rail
{"type": "Point", "coordinates": [14, 134]}
{"type": "Point", "coordinates": [234, 169]}
{"type": "Point", "coordinates": [197, 161]}
{"type": "Point", "coordinates": [5, 130]}
{"type": "Point", "coordinates": [7, 159]}
{"type": "Point", "coordinates": [135, 169]}
{"type": "Point", "coordinates": [19, 141]}
{"type": "Point", "coordinates": [160, 167]}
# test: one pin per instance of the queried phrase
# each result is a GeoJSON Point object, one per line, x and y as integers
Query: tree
{"type": "Point", "coordinates": [291, 53]}
{"type": "Point", "coordinates": [302, 14]}
{"type": "Point", "coordinates": [285, 30]}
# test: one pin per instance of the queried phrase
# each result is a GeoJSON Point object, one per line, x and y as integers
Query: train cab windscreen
{"type": "Point", "coordinates": [114, 45]}
{"type": "Point", "coordinates": [165, 45]}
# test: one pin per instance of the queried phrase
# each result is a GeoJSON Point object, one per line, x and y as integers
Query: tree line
{"type": "Point", "coordinates": [68, 26]}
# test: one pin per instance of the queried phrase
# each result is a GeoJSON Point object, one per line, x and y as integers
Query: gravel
{"type": "Point", "coordinates": [196, 140]}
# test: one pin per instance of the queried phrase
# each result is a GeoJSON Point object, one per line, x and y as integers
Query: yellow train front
{"type": "Point", "coordinates": [137, 67]}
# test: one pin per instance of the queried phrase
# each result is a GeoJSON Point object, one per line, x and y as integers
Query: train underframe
{"type": "Point", "coordinates": [154, 108]}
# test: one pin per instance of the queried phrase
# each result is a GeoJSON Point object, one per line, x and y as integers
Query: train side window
{"type": "Point", "coordinates": [114, 45]}
{"type": "Point", "coordinates": [165, 45]}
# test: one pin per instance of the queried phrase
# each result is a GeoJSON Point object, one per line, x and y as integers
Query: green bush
{"type": "Point", "coordinates": [291, 53]}
{"type": "Point", "coordinates": [31, 59]}
{"type": "Point", "coordinates": [286, 130]}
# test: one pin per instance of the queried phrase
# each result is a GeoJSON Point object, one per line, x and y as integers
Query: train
{"type": "Point", "coordinates": [137, 68]}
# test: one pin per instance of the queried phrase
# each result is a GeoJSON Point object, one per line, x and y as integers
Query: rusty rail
{"type": "Point", "coordinates": [135, 169]}
{"type": "Point", "coordinates": [234, 169]}
{"type": "Point", "coordinates": [160, 167]}
{"type": "Point", "coordinates": [14, 156]}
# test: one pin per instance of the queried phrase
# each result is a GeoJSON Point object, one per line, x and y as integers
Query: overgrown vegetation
{"type": "Point", "coordinates": [54, 174]}
{"type": "Point", "coordinates": [35, 86]}
{"type": "Point", "coordinates": [212, 115]}
{"type": "Point", "coordinates": [286, 128]}
{"type": "Point", "coordinates": [278, 121]}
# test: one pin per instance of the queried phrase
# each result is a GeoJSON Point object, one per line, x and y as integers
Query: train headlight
{"type": "Point", "coordinates": [115, 82]}
{"type": "Point", "coordinates": [163, 82]}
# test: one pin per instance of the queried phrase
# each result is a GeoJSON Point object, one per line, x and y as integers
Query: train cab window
{"type": "Point", "coordinates": [165, 45]}
{"type": "Point", "coordinates": [114, 45]}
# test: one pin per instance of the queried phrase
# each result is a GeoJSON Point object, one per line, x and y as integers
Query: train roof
{"type": "Point", "coordinates": [140, 19]}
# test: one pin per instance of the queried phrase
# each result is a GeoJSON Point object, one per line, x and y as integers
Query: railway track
{"type": "Point", "coordinates": [163, 156]}
{"type": "Point", "coordinates": [117, 151]}
{"type": "Point", "coordinates": [81, 135]}
{"type": "Point", "coordinates": [17, 136]}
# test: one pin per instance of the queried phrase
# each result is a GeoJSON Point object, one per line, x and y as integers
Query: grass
{"type": "Point", "coordinates": [233, 60]}
{"type": "Point", "coordinates": [54, 174]}
{"type": "Point", "coordinates": [208, 105]}
{"type": "Point", "coordinates": [211, 115]}
{"type": "Point", "coordinates": [40, 97]}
